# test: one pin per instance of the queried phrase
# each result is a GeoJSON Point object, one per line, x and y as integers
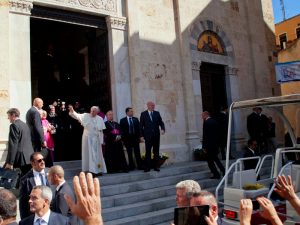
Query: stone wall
{"type": "Point", "coordinates": [155, 65]}
{"type": "Point", "coordinates": [153, 57]}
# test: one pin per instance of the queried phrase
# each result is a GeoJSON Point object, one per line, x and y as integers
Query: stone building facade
{"type": "Point", "coordinates": [157, 51]}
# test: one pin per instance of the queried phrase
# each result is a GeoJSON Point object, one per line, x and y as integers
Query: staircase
{"type": "Point", "coordinates": [139, 198]}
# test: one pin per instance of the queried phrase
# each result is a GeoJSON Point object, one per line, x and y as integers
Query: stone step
{"type": "Point", "coordinates": [110, 179]}
{"type": "Point", "coordinates": [156, 217]}
{"type": "Point", "coordinates": [138, 208]}
{"type": "Point", "coordinates": [145, 195]}
{"type": "Point", "coordinates": [138, 198]}
{"type": "Point", "coordinates": [110, 190]}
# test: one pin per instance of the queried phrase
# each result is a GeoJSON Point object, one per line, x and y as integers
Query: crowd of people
{"type": "Point", "coordinates": [102, 139]}
{"type": "Point", "coordinates": [45, 206]}
{"type": "Point", "coordinates": [189, 194]}
{"type": "Point", "coordinates": [31, 148]}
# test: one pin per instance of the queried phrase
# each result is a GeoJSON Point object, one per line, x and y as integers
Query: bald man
{"type": "Point", "coordinates": [58, 204]}
{"type": "Point", "coordinates": [150, 122]}
{"type": "Point", "coordinates": [33, 120]}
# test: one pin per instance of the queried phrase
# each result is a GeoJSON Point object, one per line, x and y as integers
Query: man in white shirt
{"type": "Point", "coordinates": [39, 201]}
{"type": "Point", "coordinates": [36, 176]}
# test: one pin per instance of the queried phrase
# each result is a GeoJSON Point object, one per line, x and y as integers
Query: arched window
{"type": "Point", "coordinates": [210, 42]}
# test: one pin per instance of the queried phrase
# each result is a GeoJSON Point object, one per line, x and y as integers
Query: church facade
{"type": "Point", "coordinates": [186, 56]}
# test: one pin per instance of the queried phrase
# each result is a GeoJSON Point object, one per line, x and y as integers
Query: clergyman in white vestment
{"type": "Point", "coordinates": [92, 140]}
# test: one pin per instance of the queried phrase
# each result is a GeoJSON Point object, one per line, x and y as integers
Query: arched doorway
{"type": "Point", "coordinates": [213, 66]}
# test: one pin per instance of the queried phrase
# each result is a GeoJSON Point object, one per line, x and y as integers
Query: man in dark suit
{"type": "Point", "coordinates": [33, 120]}
{"type": "Point", "coordinates": [36, 176]}
{"type": "Point", "coordinates": [257, 126]}
{"type": "Point", "coordinates": [19, 143]}
{"type": "Point", "coordinates": [210, 143]}
{"type": "Point", "coordinates": [8, 207]}
{"type": "Point", "coordinates": [150, 121]}
{"type": "Point", "coordinates": [250, 151]}
{"type": "Point", "coordinates": [56, 178]}
{"type": "Point", "coordinates": [222, 119]}
{"type": "Point", "coordinates": [39, 201]}
{"type": "Point", "coordinates": [130, 132]}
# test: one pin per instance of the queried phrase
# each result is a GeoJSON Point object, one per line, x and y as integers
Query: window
{"type": "Point", "coordinates": [283, 41]}
{"type": "Point", "coordinates": [298, 32]}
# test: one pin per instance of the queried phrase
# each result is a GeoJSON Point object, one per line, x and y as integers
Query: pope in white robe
{"type": "Point", "coordinates": [92, 140]}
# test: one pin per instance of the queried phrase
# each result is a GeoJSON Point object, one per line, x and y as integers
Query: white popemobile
{"type": "Point", "coordinates": [236, 178]}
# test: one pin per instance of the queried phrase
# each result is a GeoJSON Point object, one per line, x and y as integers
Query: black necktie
{"type": "Point", "coordinates": [131, 128]}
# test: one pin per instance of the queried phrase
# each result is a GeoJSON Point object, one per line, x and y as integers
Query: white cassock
{"type": "Point", "coordinates": [92, 140]}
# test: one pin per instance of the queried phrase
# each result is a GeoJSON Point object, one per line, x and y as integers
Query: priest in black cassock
{"type": "Point", "coordinates": [114, 153]}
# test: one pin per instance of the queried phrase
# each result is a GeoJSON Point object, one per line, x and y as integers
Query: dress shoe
{"type": "Point", "coordinates": [146, 170]}
{"type": "Point", "coordinates": [215, 177]}
{"type": "Point", "coordinates": [157, 169]}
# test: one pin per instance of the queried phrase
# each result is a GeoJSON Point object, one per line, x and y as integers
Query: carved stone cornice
{"type": "Point", "coordinates": [103, 7]}
{"type": "Point", "coordinates": [196, 65]}
{"type": "Point", "coordinates": [232, 71]}
{"type": "Point", "coordinates": [118, 23]}
{"type": "Point", "coordinates": [20, 6]}
{"type": "Point", "coordinates": [107, 5]}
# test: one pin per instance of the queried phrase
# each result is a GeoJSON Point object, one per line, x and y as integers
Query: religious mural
{"type": "Point", "coordinates": [211, 42]}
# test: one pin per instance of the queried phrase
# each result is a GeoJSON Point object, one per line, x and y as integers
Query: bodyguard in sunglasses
{"type": "Point", "coordinates": [36, 176]}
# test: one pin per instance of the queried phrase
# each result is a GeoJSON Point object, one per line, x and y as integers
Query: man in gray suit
{"type": "Point", "coordinates": [33, 120]}
{"type": "Point", "coordinates": [39, 201]}
{"type": "Point", "coordinates": [8, 208]}
{"type": "Point", "coordinates": [19, 143]}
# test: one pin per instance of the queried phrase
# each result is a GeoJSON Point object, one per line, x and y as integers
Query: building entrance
{"type": "Point", "coordinates": [213, 87]}
{"type": "Point", "coordinates": [69, 63]}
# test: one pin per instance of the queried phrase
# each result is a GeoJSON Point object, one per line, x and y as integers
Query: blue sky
{"type": "Point", "coordinates": [292, 8]}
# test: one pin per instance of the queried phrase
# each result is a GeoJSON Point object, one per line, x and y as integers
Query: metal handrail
{"type": "Point", "coordinates": [262, 162]}
{"type": "Point", "coordinates": [278, 157]}
{"type": "Point", "coordinates": [237, 162]}
{"type": "Point", "coordinates": [280, 172]}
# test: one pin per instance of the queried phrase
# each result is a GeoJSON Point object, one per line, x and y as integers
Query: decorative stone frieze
{"type": "Point", "coordinates": [196, 65]}
{"type": "Point", "coordinates": [108, 5]}
{"type": "Point", "coordinates": [4, 94]}
{"type": "Point", "coordinates": [20, 6]}
{"type": "Point", "coordinates": [118, 23]}
{"type": "Point", "coordinates": [97, 6]}
{"type": "Point", "coordinates": [232, 71]}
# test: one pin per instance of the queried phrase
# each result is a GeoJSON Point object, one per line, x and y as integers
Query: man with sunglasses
{"type": "Point", "coordinates": [36, 176]}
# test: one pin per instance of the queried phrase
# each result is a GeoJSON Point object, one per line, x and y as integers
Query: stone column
{"type": "Point", "coordinates": [237, 138]}
{"type": "Point", "coordinates": [119, 65]}
{"type": "Point", "coordinates": [15, 89]}
{"type": "Point", "coordinates": [4, 73]}
{"type": "Point", "coordinates": [19, 50]}
{"type": "Point", "coordinates": [192, 133]}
